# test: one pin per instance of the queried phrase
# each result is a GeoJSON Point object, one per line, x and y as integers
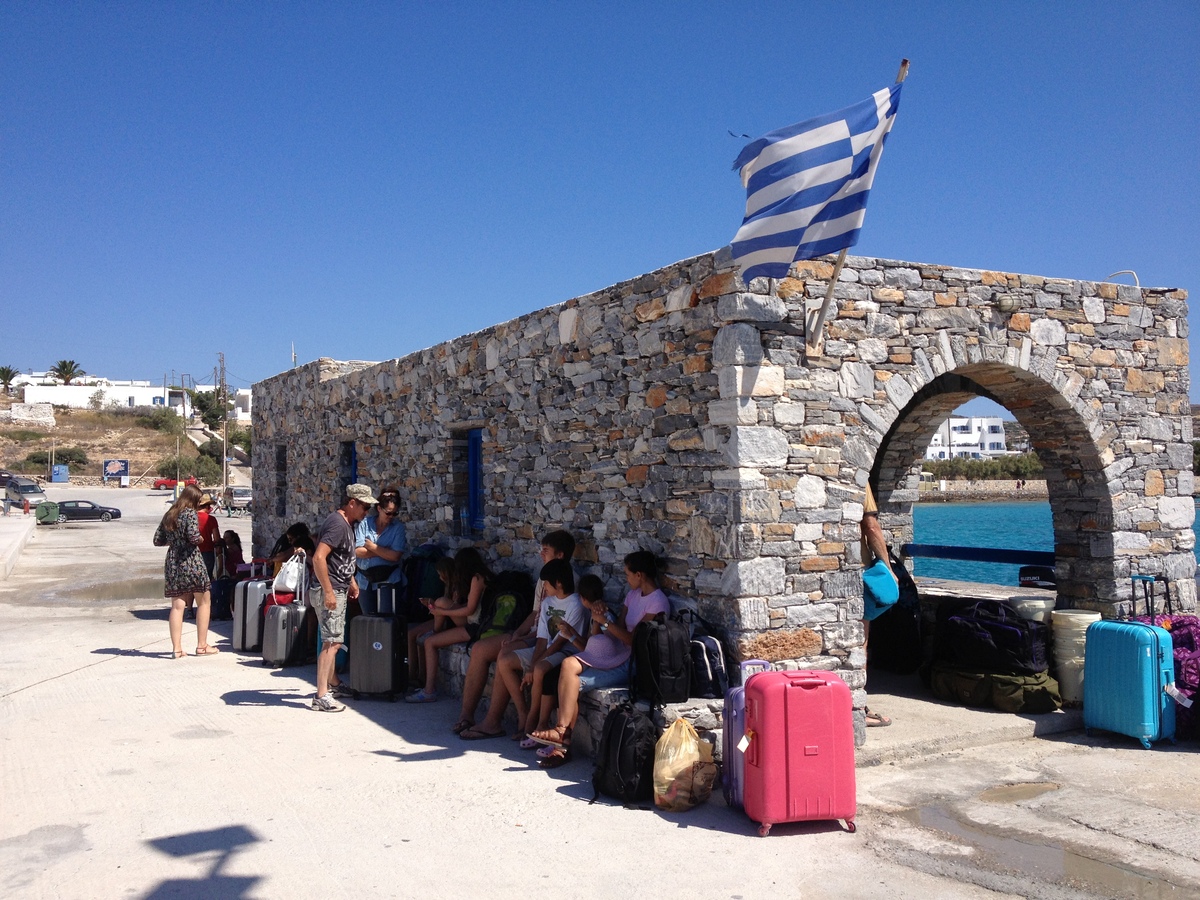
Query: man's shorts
{"type": "Point", "coordinates": [332, 622]}
{"type": "Point", "coordinates": [525, 655]}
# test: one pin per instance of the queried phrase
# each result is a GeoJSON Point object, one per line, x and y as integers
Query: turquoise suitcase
{"type": "Point", "coordinates": [1126, 671]}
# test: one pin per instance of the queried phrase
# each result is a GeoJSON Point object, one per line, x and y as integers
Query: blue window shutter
{"type": "Point", "coordinates": [475, 477]}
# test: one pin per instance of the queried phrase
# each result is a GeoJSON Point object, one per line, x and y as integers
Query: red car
{"type": "Point", "coordinates": [169, 483]}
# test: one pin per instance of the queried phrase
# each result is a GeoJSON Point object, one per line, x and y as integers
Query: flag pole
{"type": "Point", "coordinates": [819, 322]}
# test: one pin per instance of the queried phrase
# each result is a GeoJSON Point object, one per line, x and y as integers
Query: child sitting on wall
{"type": "Point", "coordinates": [521, 667]}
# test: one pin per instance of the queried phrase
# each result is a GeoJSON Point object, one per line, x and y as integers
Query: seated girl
{"type": "Point", "coordinates": [463, 612]}
{"type": "Point", "coordinates": [604, 660]}
{"type": "Point", "coordinates": [418, 632]}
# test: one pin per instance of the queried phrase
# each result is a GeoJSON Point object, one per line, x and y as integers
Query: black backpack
{"type": "Point", "coordinates": [662, 661]}
{"type": "Point", "coordinates": [990, 636]}
{"type": "Point", "coordinates": [506, 603]}
{"type": "Point", "coordinates": [625, 756]}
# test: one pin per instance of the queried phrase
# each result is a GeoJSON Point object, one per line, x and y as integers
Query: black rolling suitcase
{"type": "Point", "coordinates": [378, 656]}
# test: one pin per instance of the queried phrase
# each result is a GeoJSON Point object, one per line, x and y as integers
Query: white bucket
{"type": "Point", "coordinates": [1071, 622]}
{"type": "Point", "coordinates": [1070, 679]}
{"type": "Point", "coordinates": [1069, 648]}
{"type": "Point", "coordinates": [1037, 609]}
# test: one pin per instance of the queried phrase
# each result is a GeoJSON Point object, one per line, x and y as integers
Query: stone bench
{"type": "Point", "coordinates": [594, 706]}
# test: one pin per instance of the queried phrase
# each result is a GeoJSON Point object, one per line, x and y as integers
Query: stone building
{"type": "Point", "coordinates": [682, 412]}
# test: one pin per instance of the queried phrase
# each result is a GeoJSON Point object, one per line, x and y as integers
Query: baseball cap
{"type": "Point", "coordinates": [361, 493]}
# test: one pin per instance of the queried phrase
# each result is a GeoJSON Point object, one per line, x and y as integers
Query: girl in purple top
{"type": "Point", "coordinates": [604, 657]}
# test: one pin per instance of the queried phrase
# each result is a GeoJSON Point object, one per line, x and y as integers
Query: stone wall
{"type": "Point", "coordinates": [682, 412]}
{"type": "Point", "coordinates": [40, 415]}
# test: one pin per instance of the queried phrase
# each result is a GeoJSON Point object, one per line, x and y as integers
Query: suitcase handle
{"type": "Point", "coordinates": [753, 667]}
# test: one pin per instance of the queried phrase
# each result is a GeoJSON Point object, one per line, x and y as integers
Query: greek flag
{"type": "Point", "coordinates": [807, 185]}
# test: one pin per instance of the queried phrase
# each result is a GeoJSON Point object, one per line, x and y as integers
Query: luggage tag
{"type": "Point", "coordinates": [1175, 694]}
{"type": "Point", "coordinates": [744, 743]}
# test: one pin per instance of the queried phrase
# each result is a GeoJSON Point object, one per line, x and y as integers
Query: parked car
{"type": "Point", "coordinates": [6, 476]}
{"type": "Point", "coordinates": [85, 510]}
{"type": "Point", "coordinates": [21, 489]}
{"type": "Point", "coordinates": [169, 483]}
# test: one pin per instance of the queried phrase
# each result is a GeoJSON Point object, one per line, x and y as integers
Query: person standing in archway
{"type": "Point", "coordinates": [874, 547]}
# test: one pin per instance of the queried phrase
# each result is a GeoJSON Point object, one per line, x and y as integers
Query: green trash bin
{"type": "Point", "coordinates": [46, 513]}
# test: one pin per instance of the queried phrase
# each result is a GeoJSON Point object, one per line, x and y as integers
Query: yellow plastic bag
{"type": "Point", "coordinates": [684, 770]}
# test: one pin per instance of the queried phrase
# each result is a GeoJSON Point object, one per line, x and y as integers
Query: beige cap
{"type": "Point", "coordinates": [205, 500]}
{"type": "Point", "coordinates": [361, 493]}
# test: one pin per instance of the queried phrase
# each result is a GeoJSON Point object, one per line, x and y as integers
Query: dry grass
{"type": "Point", "coordinates": [100, 435]}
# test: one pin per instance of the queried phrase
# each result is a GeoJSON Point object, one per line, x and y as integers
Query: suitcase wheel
{"type": "Point", "coordinates": [1146, 743]}
{"type": "Point", "coordinates": [764, 830]}
{"type": "Point", "coordinates": [850, 826]}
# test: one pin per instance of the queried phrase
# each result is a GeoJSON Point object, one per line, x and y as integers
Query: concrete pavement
{"type": "Point", "coordinates": [130, 773]}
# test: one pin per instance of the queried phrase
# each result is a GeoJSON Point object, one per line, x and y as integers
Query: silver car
{"type": "Point", "coordinates": [21, 489]}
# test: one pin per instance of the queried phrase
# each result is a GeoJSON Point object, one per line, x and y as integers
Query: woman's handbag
{"type": "Point", "coordinates": [292, 577]}
{"type": "Point", "coordinates": [880, 590]}
{"type": "Point", "coordinates": [378, 574]}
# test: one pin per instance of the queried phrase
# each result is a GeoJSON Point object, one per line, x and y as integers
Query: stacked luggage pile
{"type": "Point", "coordinates": [986, 654]}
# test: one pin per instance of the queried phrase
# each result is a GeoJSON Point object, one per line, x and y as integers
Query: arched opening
{"type": "Point", "coordinates": [1088, 572]}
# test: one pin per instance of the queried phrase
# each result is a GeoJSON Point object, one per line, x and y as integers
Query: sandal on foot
{"type": "Point", "coordinates": [528, 743]}
{"type": "Point", "coordinates": [206, 650]}
{"type": "Point", "coordinates": [558, 756]}
{"type": "Point", "coordinates": [874, 719]}
{"type": "Point", "coordinates": [462, 725]}
{"type": "Point", "coordinates": [558, 736]}
{"type": "Point", "coordinates": [478, 734]}
{"type": "Point", "coordinates": [179, 654]}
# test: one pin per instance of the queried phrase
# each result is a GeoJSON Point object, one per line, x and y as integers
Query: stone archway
{"type": "Point", "coordinates": [1091, 571]}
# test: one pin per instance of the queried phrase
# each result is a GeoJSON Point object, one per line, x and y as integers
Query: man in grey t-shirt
{"type": "Point", "coordinates": [333, 566]}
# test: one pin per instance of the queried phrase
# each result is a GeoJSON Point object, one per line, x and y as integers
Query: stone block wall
{"type": "Point", "coordinates": [682, 412]}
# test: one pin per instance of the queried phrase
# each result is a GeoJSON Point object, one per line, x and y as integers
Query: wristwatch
{"type": "Point", "coordinates": [604, 627]}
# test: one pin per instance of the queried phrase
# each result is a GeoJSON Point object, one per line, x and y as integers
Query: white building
{"type": "Point", "coordinates": [90, 391]}
{"type": "Point", "coordinates": [968, 437]}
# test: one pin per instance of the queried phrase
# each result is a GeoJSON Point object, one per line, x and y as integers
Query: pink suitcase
{"type": "Point", "coordinates": [799, 762]}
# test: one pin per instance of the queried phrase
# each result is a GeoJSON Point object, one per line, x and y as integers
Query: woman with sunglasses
{"type": "Point", "coordinates": [379, 544]}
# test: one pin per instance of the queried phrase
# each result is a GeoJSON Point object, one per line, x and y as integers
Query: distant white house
{"type": "Point", "coordinates": [90, 391]}
{"type": "Point", "coordinates": [968, 437]}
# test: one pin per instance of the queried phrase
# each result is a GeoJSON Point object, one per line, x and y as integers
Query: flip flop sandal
{"type": "Point", "coordinates": [462, 725]}
{"type": "Point", "coordinates": [875, 720]}
{"type": "Point", "coordinates": [474, 734]}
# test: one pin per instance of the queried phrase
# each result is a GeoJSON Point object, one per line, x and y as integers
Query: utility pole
{"type": "Point", "coordinates": [224, 428]}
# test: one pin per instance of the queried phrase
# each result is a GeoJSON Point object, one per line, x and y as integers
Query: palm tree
{"type": "Point", "coordinates": [65, 370]}
{"type": "Point", "coordinates": [7, 375]}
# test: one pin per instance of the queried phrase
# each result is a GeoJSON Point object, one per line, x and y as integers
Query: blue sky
{"type": "Point", "coordinates": [366, 179]}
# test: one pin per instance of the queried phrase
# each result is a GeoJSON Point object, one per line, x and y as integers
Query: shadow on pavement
{"type": "Point", "coordinates": [125, 651]}
{"type": "Point", "coordinates": [222, 843]}
{"type": "Point", "coordinates": [266, 698]}
{"type": "Point", "coordinates": [151, 615]}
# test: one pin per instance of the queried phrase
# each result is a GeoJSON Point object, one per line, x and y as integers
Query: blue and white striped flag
{"type": "Point", "coordinates": [807, 185]}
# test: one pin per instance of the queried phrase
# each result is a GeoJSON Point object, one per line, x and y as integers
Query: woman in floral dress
{"type": "Point", "coordinates": [185, 572]}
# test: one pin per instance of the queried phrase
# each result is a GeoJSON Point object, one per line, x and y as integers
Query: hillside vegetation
{"type": "Point", "coordinates": [143, 435]}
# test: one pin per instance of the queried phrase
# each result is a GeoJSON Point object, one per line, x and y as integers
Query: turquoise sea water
{"type": "Point", "coordinates": [1010, 526]}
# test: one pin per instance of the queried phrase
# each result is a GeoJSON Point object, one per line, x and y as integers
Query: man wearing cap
{"type": "Point", "coordinates": [333, 565]}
